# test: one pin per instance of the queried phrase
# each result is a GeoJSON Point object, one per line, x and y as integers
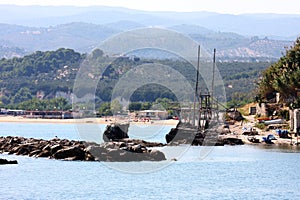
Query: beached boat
{"type": "Point", "coordinates": [274, 121]}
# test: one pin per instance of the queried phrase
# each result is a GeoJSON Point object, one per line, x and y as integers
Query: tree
{"type": "Point", "coordinates": [97, 53]}
{"type": "Point", "coordinates": [23, 94]}
{"type": "Point", "coordinates": [134, 106]}
{"type": "Point", "coordinates": [283, 76]}
{"type": "Point", "coordinates": [115, 106]}
{"type": "Point", "coordinates": [105, 109]}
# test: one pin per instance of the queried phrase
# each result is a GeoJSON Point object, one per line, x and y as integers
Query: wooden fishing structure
{"type": "Point", "coordinates": [193, 129]}
{"type": "Point", "coordinates": [204, 103]}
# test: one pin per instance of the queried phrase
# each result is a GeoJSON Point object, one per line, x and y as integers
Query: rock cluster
{"type": "Point", "coordinates": [123, 150]}
{"type": "Point", "coordinates": [188, 134]}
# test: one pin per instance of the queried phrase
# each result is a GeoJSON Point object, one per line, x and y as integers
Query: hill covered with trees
{"type": "Point", "coordinates": [51, 74]}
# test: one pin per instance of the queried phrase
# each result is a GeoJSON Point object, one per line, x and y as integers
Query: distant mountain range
{"type": "Point", "coordinates": [32, 28]}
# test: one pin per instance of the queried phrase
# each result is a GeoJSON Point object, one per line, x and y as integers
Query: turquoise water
{"type": "Point", "coordinates": [229, 172]}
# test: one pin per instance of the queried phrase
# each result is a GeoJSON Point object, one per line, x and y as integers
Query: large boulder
{"type": "Point", "coordinates": [181, 134]}
{"type": "Point", "coordinates": [234, 114]}
{"type": "Point", "coordinates": [115, 132]}
{"type": "Point", "coordinates": [157, 155]}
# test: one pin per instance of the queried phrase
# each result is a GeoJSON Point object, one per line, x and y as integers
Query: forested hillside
{"type": "Point", "coordinates": [41, 72]}
{"type": "Point", "coordinates": [50, 74]}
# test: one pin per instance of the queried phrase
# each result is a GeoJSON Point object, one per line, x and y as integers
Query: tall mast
{"type": "Point", "coordinates": [213, 76]}
{"type": "Point", "coordinates": [197, 82]}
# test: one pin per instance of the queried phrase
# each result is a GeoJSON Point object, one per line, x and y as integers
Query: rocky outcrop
{"type": "Point", "coordinates": [234, 114]}
{"type": "Point", "coordinates": [183, 134]}
{"type": "Point", "coordinates": [124, 150]}
{"type": "Point", "coordinates": [188, 134]}
{"type": "Point", "coordinates": [5, 162]}
{"type": "Point", "coordinates": [114, 132]}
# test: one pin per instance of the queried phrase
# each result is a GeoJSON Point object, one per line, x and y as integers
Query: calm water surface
{"type": "Point", "coordinates": [229, 172]}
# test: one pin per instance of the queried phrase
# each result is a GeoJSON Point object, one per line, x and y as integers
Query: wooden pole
{"type": "Point", "coordinates": [213, 77]}
{"type": "Point", "coordinates": [196, 89]}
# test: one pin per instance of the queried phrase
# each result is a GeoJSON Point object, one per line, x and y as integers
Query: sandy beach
{"type": "Point", "coordinates": [20, 119]}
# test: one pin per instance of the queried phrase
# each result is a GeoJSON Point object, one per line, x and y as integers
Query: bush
{"type": "Point", "coordinates": [261, 126]}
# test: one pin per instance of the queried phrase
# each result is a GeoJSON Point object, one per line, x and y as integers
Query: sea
{"type": "Point", "coordinates": [223, 172]}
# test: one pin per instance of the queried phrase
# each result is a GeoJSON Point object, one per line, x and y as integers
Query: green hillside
{"type": "Point", "coordinates": [51, 74]}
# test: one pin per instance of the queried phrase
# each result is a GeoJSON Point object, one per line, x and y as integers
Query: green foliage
{"type": "Point", "coordinates": [50, 71]}
{"type": "Point", "coordinates": [22, 95]}
{"type": "Point", "coordinates": [105, 109]}
{"type": "Point", "coordinates": [283, 76]}
{"type": "Point", "coordinates": [135, 106]}
{"type": "Point", "coordinates": [116, 107]}
{"type": "Point", "coordinates": [240, 80]}
{"type": "Point", "coordinates": [36, 104]}
{"type": "Point", "coordinates": [53, 71]}
{"type": "Point", "coordinates": [261, 126]}
{"type": "Point", "coordinates": [284, 114]}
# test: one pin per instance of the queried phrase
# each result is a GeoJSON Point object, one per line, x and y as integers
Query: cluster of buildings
{"type": "Point", "coordinates": [38, 114]}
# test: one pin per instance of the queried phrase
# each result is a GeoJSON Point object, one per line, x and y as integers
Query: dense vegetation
{"type": "Point", "coordinates": [44, 72]}
{"type": "Point", "coordinates": [42, 76]}
{"type": "Point", "coordinates": [283, 77]}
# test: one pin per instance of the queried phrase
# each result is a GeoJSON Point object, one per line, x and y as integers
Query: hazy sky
{"type": "Point", "coordinates": [221, 6]}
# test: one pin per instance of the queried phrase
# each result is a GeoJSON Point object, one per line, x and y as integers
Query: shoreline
{"type": "Point", "coordinates": [236, 131]}
{"type": "Point", "coordinates": [19, 119]}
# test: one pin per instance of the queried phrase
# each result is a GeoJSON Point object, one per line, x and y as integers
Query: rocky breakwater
{"type": "Point", "coordinates": [185, 133]}
{"type": "Point", "coordinates": [123, 150]}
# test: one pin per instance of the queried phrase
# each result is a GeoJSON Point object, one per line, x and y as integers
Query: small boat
{"type": "Point", "coordinates": [262, 119]}
{"type": "Point", "coordinates": [274, 121]}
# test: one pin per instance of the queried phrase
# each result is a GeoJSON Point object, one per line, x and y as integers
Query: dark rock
{"type": "Point", "coordinates": [34, 153]}
{"type": "Point", "coordinates": [157, 155]}
{"type": "Point", "coordinates": [5, 162]}
{"type": "Point", "coordinates": [44, 154]}
{"type": "Point", "coordinates": [70, 152]}
{"type": "Point", "coordinates": [183, 133]}
{"type": "Point", "coordinates": [233, 141]}
{"type": "Point", "coordinates": [55, 148]}
{"type": "Point", "coordinates": [115, 132]}
{"type": "Point", "coordinates": [234, 114]}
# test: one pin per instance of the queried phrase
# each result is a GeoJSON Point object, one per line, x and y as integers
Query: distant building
{"type": "Point", "coordinates": [153, 114]}
{"type": "Point", "coordinates": [49, 114]}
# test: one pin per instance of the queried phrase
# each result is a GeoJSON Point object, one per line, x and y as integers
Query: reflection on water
{"type": "Point", "coordinates": [283, 148]}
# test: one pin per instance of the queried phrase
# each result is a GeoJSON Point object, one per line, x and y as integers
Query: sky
{"type": "Point", "coordinates": [220, 6]}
